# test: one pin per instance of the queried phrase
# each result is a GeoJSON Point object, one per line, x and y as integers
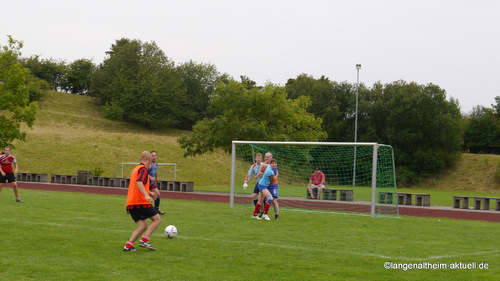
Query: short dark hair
{"type": "Point", "coordinates": [273, 160]}
{"type": "Point", "coordinates": [154, 152]}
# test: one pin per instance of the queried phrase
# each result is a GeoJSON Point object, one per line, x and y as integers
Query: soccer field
{"type": "Point", "coordinates": [74, 236]}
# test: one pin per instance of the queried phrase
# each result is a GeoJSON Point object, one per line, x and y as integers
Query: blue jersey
{"type": "Point", "coordinates": [266, 178]}
{"type": "Point", "coordinates": [152, 172]}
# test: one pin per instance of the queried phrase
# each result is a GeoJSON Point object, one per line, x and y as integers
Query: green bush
{"type": "Point", "coordinates": [97, 172]}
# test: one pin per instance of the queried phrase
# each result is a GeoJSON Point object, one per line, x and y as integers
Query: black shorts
{"type": "Point", "coordinates": [8, 177]}
{"type": "Point", "coordinates": [142, 213]}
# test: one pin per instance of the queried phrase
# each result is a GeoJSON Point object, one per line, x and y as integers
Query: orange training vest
{"type": "Point", "coordinates": [135, 197]}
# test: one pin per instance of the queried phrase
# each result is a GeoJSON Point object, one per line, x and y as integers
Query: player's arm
{"type": "Point", "coordinates": [249, 174]}
{"type": "Point", "coordinates": [140, 186]}
{"type": "Point", "coordinates": [1, 171]}
{"type": "Point", "coordinates": [15, 164]}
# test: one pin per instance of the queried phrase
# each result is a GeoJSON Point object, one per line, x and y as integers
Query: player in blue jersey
{"type": "Point", "coordinates": [264, 194]}
{"type": "Point", "coordinates": [153, 179]}
{"type": "Point", "coordinates": [254, 171]}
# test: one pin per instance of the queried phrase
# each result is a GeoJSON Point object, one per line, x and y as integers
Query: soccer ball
{"type": "Point", "coordinates": [171, 231]}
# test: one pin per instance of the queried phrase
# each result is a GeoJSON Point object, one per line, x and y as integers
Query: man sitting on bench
{"type": "Point", "coordinates": [317, 180]}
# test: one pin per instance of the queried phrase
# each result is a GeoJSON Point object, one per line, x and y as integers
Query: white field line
{"type": "Point", "coordinates": [158, 232]}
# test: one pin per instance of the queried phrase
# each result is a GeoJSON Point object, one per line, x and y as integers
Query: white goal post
{"type": "Point", "coordinates": [242, 163]}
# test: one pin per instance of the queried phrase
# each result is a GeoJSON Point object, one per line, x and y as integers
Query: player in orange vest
{"type": "Point", "coordinates": [139, 204]}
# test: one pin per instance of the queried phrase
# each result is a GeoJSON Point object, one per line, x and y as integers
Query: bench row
{"type": "Point", "coordinates": [184, 186]}
{"type": "Point", "coordinates": [31, 177]}
{"type": "Point", "coordinates": [478, 201]}
{"type": "Point", "coordinates": [404, 198]}
{"type": "Point", "coordinates": [331, 194]}
{"type": "Point", "coordinates": [383, 198]}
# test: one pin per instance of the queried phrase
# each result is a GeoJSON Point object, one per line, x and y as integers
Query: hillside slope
{"type": "Point", "coordinates": [474, 172]}
{"type": "Point", "coordinates": [71, 134]}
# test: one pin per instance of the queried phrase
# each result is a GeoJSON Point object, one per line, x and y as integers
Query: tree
{"type": "Point", "coordinates": [78, 77]}
{"type": "Point", "coordinates": [252, 114]}
{"type": "Point", "coordinates": [200, 81]}
{"type": "Point", "coordinates": [49, 70]}
{"type": "Point", "coordinates": [15, 105]}
{"type": "Point", "coordinates": [138, 83]}
{"type": "Point", "coordinates": [482, 130]}
{"type": "Point", "coordinates": [496, 106]}
{"type": "Point", "coordinates": [423, 127]}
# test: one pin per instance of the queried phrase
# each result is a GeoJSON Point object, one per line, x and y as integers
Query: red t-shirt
{"type": "Point", "coordinates": [7, 162]}
{"type": "Point", "coordinates": [317, 178]}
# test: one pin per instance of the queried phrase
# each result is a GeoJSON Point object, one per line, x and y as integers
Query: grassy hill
{"type": "Point", "coordinates": [71, 134]}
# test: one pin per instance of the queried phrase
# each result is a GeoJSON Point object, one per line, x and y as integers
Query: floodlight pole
{"type": "Point", "coordinates": [358, 67]}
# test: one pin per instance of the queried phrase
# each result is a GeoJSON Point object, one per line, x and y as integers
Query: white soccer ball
{"type": "Point", "coordinates": [171, 231]}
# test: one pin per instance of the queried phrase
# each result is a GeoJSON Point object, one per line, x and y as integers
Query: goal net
{"type": "Point", "coordinates": [359, 177]}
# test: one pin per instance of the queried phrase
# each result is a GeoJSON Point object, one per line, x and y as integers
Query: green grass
{"type": "Point", "coordinates": [72, 236]}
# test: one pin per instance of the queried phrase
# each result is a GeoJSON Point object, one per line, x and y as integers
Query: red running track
{"type": "Point", "coordinates": [433, 211]}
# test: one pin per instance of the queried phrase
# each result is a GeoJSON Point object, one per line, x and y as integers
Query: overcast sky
{"type": "Point", "coordinates": [454, 44]}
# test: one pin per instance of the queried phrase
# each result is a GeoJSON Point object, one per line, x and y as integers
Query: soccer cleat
{"type": "Point", "coordinates": [266, 217]}
{"type": "Point", "coordinates": [131, 249]}
{"type": "Point", "coordinates": [19, 200]}
{"type": "Point", "coordinates": [161, 212]}
{"type": "Point", "coordinates": [146, 245]}
{"type": "Point", "coordinates": [260, 215]}
{"type": "Point", "coordinates": [256, 217]}
{"type": "Point", "coordinates": [276, 217]}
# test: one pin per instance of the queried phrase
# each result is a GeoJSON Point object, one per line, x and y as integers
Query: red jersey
{"type": "Point", "coordinates": [7, 162]}
{"type": "Point", "coordinates": [317, 179]}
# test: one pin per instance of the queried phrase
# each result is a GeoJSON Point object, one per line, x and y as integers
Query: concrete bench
{"type": "Point", "coordinates": [420, 199]}
{"type": "Point", "coordinates": [174, 186]}
{"type": "Point", "coordinates": [31, 177]}
{"type": "Point", "coordinates": [63, 179]}
{"type": "Point", "coordinates": [478, 201]}
{"type": "Point", "coordinates": [386, 197]}
{"type": "Point", "coordinates": [119, 182]}
{"type": "Point", "coordinates": [331, 194]}
{"type": "Point", "coordinates": [187, 186]}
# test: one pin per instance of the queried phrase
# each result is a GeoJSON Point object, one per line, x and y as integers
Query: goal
{"type": "Point", "coordinates": [360, 177]}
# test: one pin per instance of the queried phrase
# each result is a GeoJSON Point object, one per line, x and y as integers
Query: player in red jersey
{"type": "Point", "coordinates": [7, 174]}
{"type": "Point", "coordinates": [140, 205]}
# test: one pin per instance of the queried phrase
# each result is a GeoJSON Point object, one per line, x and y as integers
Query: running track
{"type": "Point", "coordinates": [433, 211]}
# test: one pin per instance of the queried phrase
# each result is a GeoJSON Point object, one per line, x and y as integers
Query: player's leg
{"type": "Point", "coordinates": [155, 222]}
{"type": "Point", "coordinates": [276, 206]}
{"type": "Point", "coordinates": [255, 194]}
{"type": "Point", "coordinates": [268, 203]}
{"type": "Point", "coordinates": [16, 192]}
{"type": "Point", "coordinates": [320, 190]}
{"type": "Point", "coordinates": [259, 204]}
{"type": "Point", "coordinates": [141, 227]}
{"type": "Point", "coordinates": [2, 181]}
{"type": "Point", "coordinates": [309, 187]}
{"type": "Point", "coordinates": [157, 201]}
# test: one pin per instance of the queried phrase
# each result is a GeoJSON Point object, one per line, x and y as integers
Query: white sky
{"type": "Point", "coordinates": [454, 44]}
